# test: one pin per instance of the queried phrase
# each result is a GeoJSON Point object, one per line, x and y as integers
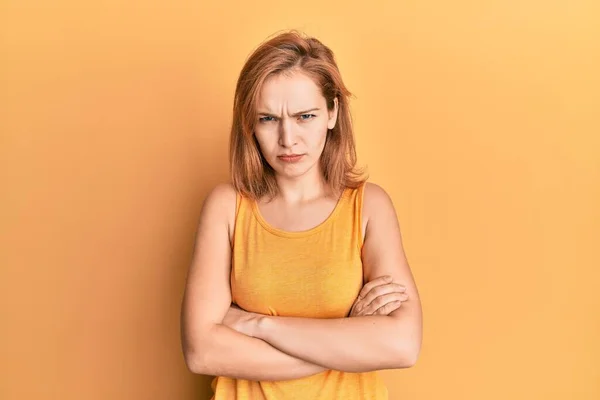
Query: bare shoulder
{"type": "Point", "coordinates": [375, 191]}
{"type": "Point", "coordinates": [221, 196]}
{"type": "Point", "coordinates": [376, 203]}
{"type": "Point", "coordinates": [220, 204]}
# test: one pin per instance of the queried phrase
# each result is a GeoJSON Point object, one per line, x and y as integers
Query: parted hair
{"type": "Point", "coordinates": [287, 52]}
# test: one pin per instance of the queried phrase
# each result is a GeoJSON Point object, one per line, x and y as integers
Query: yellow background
{"type": "Point", "coordinates": [480, 118]}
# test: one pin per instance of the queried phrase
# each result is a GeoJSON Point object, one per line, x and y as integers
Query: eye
{"type": "Point", "coordinates": [265, 119]}
{"type": "Point", "coordinates": [307, 115]}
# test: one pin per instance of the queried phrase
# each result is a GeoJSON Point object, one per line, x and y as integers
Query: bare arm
{"type": "Point", "coordinates": [345, 344]}
{"type": "Point", "coordinates": [235, 355]}
{"type": "Point", "coordinates": [365, 343]}
{"type": "Point", "coordinates": [209, 347]}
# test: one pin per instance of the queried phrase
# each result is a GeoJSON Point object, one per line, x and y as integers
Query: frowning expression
{"type": "Point", "coordinates": [292, 124]}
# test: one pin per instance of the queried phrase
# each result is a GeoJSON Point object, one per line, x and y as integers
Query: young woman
{"type": "Point", "coordinates": [275, 305]}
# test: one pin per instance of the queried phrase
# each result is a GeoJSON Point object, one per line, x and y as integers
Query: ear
{"type": "Point", "coordinates": [333, 115]}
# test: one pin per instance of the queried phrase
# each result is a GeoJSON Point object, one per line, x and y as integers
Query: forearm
{"type": "Point", "coordinates": [345, 344]}
{"type": "Point", "coordinates": [235, 355]}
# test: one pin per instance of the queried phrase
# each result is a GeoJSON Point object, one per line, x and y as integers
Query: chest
{"type": "Point", "coordinates": [309, 278]}
{"type": "Point", "coordinates": [296, 218]}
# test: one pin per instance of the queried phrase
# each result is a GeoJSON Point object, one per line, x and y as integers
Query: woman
{"type": "Point", "coordinates": [273, 304]}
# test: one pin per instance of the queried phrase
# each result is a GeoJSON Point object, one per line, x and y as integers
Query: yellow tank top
{"type": "Point", "coordinates": [315, 273]}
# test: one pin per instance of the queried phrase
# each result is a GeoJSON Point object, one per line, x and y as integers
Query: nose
{"type": "Point", "coordinates": [287, 136]}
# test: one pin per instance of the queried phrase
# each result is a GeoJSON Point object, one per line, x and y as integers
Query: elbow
{"type": "Point", "coordinates": [196, 353]}
{"type": "Point", "coordinates": [394, 359]}
{"type": "Point", "coordinates": [405, 359]}
{"type": "Point", "coordinates": [409, 356]}
{"type": "Point", "coordinates": [195, 363]}
{"type": "Point", "coordinates": [407, 347]}
{"type": "Point", "coordinates": [196, 359]}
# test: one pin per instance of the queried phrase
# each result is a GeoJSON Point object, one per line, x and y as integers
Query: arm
{"type": "Point", "coordinates": [209, 347]}
{"type": "Point", "coordinates": [366, 343]}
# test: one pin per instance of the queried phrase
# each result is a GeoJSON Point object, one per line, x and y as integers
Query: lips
{"type": "Point", "coordinates": [290, 157]}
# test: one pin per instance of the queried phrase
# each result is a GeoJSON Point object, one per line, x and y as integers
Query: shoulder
{"type": "Point", "coordinates": [220, 205]}
{"type": "Point", "coordinates": [374, 192]}
{"type": "Point", "coordinates": [221, 198]}
{"type": "Point", "coordinates": [376, 202]}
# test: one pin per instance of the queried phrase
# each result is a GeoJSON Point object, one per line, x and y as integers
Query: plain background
{"type": "Point", "coordinates": [480, 118]}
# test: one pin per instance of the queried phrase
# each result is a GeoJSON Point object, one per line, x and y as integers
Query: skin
{"type": "Point", "coordinates": [293, 119]}
{"type": "Point", "coordinates": [220, 339]}
{"type": "Point", "coordinates": [304, 199]}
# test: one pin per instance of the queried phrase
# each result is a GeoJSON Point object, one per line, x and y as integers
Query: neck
{"type": "Point", "coordinates": [309, 186]}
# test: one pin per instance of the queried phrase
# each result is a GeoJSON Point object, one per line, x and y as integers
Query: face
{"type": "Point", "coordinates": [292, 123]}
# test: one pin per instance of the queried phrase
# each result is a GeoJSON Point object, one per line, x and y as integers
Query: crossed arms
{"type": "Point", "coordinates": [221, 340]}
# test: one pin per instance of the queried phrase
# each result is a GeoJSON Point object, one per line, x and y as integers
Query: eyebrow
{"type": "Point", "coordinates": [293, 115]}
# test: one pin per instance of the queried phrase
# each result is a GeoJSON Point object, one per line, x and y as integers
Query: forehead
{"type": "Point", "coordinates": [293, 91]}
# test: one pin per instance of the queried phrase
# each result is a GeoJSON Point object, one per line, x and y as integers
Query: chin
{"type": "Point", "coordinates": [292, 170]}
{"type": "Point", "coordinates": [291, 173]}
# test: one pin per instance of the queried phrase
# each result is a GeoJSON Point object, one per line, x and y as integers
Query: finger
{"type": "Point", "coordinates": [382, 280]}
{"type": "Point", "coordinates": [385, 299]}
{"type": "Point", "coordinates": [383, 290]}
{"type": "Point", "coordinates": [357, 308]}
{"type": "Point", "coordinates": [352, 310]}
{"type": "Point", "coordinates": [362, 304]}
{"type": "Point", "coordinates": [388, 308]}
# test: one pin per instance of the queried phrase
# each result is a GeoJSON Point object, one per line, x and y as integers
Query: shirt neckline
{"type": "Point", "coordinates": [298, 234]}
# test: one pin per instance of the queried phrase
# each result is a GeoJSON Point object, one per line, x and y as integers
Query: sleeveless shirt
{"type": "Point", "coordinates": [316, 273]}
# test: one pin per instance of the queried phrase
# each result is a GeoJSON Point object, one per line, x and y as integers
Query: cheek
{"type": "Point", "coordinates": [321, 137]}
{"type": "Point", "coordinates": [265, 142]}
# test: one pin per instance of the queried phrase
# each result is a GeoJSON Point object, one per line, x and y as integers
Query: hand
{"type": "Point", "coordinates": [240, 320]}
{"type": "Point", "coordinates": [379, 297]}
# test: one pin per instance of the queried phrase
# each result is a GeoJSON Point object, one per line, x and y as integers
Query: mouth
{"type": "Point", "coordinates": [290, 157]}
